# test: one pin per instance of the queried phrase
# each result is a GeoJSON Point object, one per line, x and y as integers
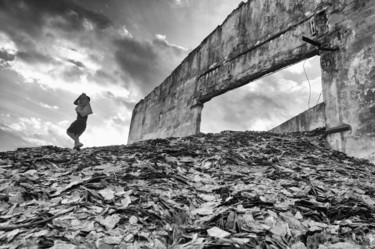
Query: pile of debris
{"type": "Point", "coordinates": [227, 190]}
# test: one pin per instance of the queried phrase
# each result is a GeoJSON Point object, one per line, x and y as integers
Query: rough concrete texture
{"type": "Point", "coordinates": [260, 37]}
{"type": "Point", "coordinates": [348, 77]}
{"type": "Point", "coordinates": [309, 120]}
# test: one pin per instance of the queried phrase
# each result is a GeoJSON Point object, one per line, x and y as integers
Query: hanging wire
{"type": "Point", "coordinates": [319, 97]}
{"type": "Point", "coordinates": [307, 77]}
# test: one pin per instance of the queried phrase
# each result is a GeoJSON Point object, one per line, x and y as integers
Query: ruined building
{"type": "Point", "coordinates": [261, 37]}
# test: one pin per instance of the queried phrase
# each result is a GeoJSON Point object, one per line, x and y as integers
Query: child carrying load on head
{"type": "Point", "coordinates": [76, 129]}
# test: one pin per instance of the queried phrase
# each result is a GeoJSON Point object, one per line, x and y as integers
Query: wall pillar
{"type": "Point", "coordinates": [348, 77]}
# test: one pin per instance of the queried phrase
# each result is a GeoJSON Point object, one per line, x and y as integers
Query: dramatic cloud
{"type": "Point", "coordinates": [32, 14]}
{"type": "Point", "coordinates": [184, 22]}
{"type": "Point", "coordinates": [34, 57]}
{"type": "Point", "coordinates": [10, 139]}
{"type": "Point", "coordinates": [162, 40]}
{"type": "Point", "coordinates": [6, 56]}
{"type": "Point", "coordinates": [49, 106]}
{"type": "Point", "coordinates": [148, 63]}
{"type": "Point", "coordinates": [38, 132]}
{"type": "Point", "coordinates": [77, 63]}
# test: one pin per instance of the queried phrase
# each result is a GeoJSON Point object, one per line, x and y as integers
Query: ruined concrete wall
{"type": "Point", "coordinates": [166, 111]}
{"type": "Point", "coordinates": [308, 120]}
{"type": "Point", "coordinates": [349, 78]}
{"type": "Point", "coordinates": [258, 38]}
{"type": "Point", "coordinates": [261, 37]}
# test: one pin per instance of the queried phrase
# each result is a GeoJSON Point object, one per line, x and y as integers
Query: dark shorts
{"type": "Point", "coordinates": [77, 127]}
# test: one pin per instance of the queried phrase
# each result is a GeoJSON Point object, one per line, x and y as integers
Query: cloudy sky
{"type": "Point", "coordinates": [117, 51]}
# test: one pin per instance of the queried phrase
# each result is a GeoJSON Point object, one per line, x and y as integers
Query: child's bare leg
{"type": "Point", "coordinates": [78, 143]}
{"type": "Point", "coordinates": [74, 137]}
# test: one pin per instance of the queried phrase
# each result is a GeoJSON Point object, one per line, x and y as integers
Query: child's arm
{"type": "Point", "coordinates": [79, 111]}
{"type": "Point", "coordinates": [84, 110]}
{"type": "Point", "coordinates": [76, 102]}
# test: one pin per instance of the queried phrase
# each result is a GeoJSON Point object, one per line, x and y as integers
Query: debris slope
{"type": "Point", "coordinates": [227, 190]}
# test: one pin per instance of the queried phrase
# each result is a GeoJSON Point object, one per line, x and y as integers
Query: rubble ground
{"type": "Point", "coordinates": [227, 190]}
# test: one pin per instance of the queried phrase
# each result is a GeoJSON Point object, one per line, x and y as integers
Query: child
{"type": "Point", "coordinates": [76, 129]}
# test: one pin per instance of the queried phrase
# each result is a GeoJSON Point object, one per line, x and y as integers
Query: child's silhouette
{"type": "Point", "coordinates": [76, 129]}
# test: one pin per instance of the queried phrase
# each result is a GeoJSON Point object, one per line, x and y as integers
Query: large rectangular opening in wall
{"type": "Point", "coordinates": [267, 102]}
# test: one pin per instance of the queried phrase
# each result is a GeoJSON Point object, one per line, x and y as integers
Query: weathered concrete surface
{"type": "Point", "coordinates": [309, 120]}
{"type": "Point", "coordinates": [348, 77]}
{"type": "Point", "coordinates": [260, 37]}
{"type": "Point", "coordinates": [257, 38]}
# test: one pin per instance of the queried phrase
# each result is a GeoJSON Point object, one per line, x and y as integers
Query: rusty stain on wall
{"type": "Point", "coordinates": [261, 37]}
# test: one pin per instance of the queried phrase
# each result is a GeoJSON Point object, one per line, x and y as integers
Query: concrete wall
{"type": "Point", "coordinates": [260, 37]}
{"type": "Point", "coordinates": [349, 78]}
{"type": "Point", "coordinates": [257, 38]}
{"type": "Point", "coordinates": [306, 121]}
